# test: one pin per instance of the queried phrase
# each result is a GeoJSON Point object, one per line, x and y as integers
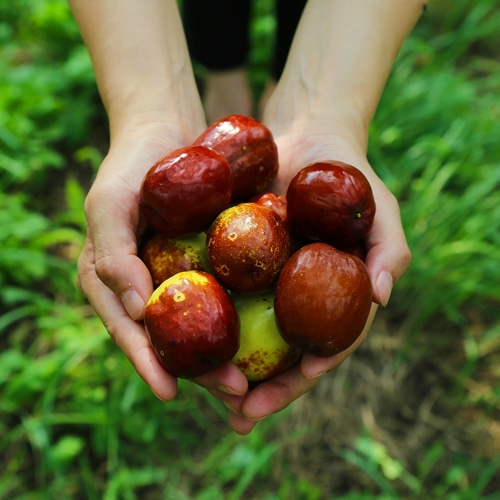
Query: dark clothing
{"type": "Point", "coordinates": [218, 32]}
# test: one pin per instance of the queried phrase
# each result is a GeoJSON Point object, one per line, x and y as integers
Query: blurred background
{"type": "Point", "coordinates": [413, 414]}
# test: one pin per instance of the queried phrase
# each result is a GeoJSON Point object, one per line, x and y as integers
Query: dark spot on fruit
{"type": "Point", "coordinates": [203, 360]}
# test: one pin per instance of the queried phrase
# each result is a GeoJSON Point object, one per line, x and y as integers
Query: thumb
{"type": "Point", "coordinates": [113, 220]}
{"type": "Point", "coordinates": [388, 255]}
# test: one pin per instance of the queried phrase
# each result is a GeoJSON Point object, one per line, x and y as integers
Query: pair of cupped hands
{"type": "Point", "coordinates": [118, 285]}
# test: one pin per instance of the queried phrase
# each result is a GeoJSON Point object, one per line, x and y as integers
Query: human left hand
{"type": "Point", "coordinates": [387, 259]}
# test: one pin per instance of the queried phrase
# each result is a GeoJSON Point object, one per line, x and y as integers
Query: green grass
{"type": "Point", "coordinates": [412, 414]}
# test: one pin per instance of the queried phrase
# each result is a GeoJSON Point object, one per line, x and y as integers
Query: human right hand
{"type": "Point", "coordinates": [110, 273]}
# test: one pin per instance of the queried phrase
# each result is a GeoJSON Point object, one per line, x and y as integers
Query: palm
{"type": "Point", "coordinates": [385, 243]}
{"type": "Point", "coordinates": [296, 151]}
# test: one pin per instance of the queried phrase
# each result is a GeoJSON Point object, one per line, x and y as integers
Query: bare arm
{"type": "Point", "coordinates": [322, 107]}
{"type": "Point", "coordinates": [141, 62]}
{"type": "Point", "coordinates": [339, 63]}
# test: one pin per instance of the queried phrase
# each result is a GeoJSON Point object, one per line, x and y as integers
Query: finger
{"type": "Point", "coordinates": [278, 392]}
{"type": "Point", "coordinates": [223, 381]}
{"type": "Point", "coordinates": [267, 398]}
{"type": "Point", "coordinates": [388, 255]}
{"type": "Point", "coordinates": [275, 394]}
{"type": "Point", "coordinates": [129, 335]}
{"type": "Point", "coordinates": [240, 424]}
{"type": "Point", "coordinates": [237, 421]}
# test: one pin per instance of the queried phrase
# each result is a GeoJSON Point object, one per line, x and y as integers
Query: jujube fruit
{"type": "Point", "coordinates": [164, 256]}
{"type": "Point", "coordinates": [247, 245]}
{"type": "Point", "coordinates": [276, 202]}
{"type": "Point", "coordinates": [249, 147]}
{"type": "Point", "coordinates": [323, 299]}
{"type": "Point", "coordinates": [332, 202]}
{"type": "Point", "coordinates": [263, 353]}
{"type": "Point", "coordinates": [184, 191]}
{"type": "Point", "coordinates": [192, 324]}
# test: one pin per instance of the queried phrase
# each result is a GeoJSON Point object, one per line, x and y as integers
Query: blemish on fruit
{"type": "Point", "coordinates": [223, 269]}
{"type": "Point", "coordinates": [179, 297]}
{"type": "Point", "coordinates": [232, 236]}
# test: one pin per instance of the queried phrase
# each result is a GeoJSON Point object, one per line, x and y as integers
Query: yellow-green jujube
{"type": "Point", "coordinates": [262, 353]}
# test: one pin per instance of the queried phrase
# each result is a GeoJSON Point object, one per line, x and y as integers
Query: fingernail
{"type": "Point", "coordinates": [256, 419]}
{"type": "Point", "coordinates": [384, 286]}
{"type": "Point", "coordinates": [232, 409]}
{"type": "Point", "coordinates": [315, 375]}
{"type": "Point", "coordinates": [133, 303]}
{"type": "Point", "coordinates": [158, 396]}
{"type": "Point", "coordinates": [228, 390]}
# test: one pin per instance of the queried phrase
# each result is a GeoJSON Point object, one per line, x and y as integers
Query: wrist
{"type": "Point", "coordinates": [315, 123]}
{"type": "Point", "coordinates": [149, 138]}
{"type": "Point", "coordinates": [338, 65]}
{"type": "Point", "coordinates": [156, 123]}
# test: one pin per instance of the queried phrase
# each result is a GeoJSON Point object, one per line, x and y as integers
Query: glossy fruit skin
{"type": "Point", "coordinates": [247, 245]}
{"type": "Point", "coordinates": [183, 192]}
{"type": "Point", "coordinates": [164, 256]}
{"type": "Point", "coordinates": [263, 353]}
{"type": "Point", "coordinates": [323, 299]}
{"type": "Point", "coordinates": [192, 324]}
{"type": "Point", "coordinates": [249, 147]}
{"type": "Point", "coordinates": [276, 202]}
{"type": "Point", "coordinates": [358, 249]}
{"type": "Point", "coordinates": [331, 202]}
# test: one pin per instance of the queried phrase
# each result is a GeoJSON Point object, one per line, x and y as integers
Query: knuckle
{"type": "Point", "coordinates": [96, 197]}
{"type": "Point", "coordinates": [404, 260]}
{"type": "Point", "coordinates": [84, 271]}
{"type": "Point", "coordinates": [105, 269]}
{"type": "Point", "coordinates": [110, 327]}
{"type": "Point", "coordinates": [407, 256]}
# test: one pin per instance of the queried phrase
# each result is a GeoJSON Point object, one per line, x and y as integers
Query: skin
{"type": "Point", "coordinates": [321, 109]}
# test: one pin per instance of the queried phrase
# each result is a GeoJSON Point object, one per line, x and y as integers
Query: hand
{"type": "Point", "coordinates": [388, 255]}
{"type": "Point", "coordinates": [387, 259]}
{"type": "Point", "coordinates": [110, 273]}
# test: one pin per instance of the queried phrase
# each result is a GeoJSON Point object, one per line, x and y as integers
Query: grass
{"type": "Point", "coordinates": [413, 414]}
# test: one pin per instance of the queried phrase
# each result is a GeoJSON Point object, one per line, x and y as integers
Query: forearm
{"type": "Point", "coordinates": [141, 62]}
{"type": "Point", "coordinates": [340, 59]}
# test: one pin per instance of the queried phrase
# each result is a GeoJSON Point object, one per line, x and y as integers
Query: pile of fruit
{"type": "Point", "coordinates": [245, 275]}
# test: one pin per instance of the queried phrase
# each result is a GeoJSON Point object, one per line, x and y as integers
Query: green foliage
{"type": "Point", "coordinates": [75, 419]}
{"type": "Point", "coordinates": [440, 158]}
{"type": "Point", "coordinates": [45, 91]}
{"type": "Point", "coordinates": [373, 458]}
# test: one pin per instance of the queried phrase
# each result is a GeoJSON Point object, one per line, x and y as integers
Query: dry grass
{"type": "Point", "coordinates": [406, 404]}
